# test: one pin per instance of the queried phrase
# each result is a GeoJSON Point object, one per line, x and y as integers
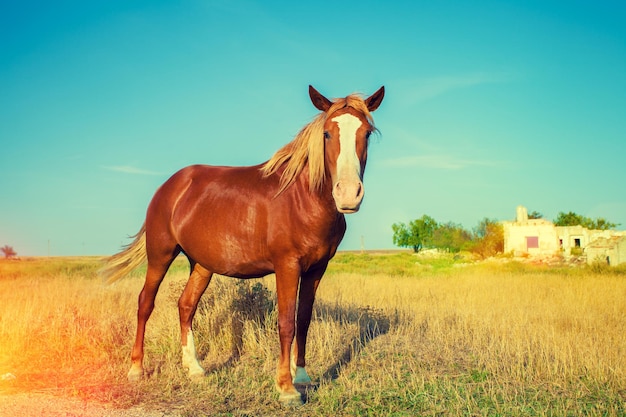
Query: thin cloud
{"type": "Point", "coordinates": [444, 162]}
{"type": "Point", "coordinates": [424, 89]}
{"type": "Point", "coordinates": [127, 169]}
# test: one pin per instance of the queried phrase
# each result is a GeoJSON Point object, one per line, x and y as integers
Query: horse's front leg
{"type": "Point", "coordinates": [308, 287]}
{"type": "Point", "coordinates": [287, 279]}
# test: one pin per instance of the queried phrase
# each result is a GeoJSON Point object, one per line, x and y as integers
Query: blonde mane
{"type": "Point", "coordinates": [307, 148]}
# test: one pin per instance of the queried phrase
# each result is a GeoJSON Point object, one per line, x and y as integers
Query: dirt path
{"type": "Point", "coordinates": [30, 405]}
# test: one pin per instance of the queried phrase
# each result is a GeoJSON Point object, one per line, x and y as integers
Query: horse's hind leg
{"type": "Point", "coordinates": [187, 304]}
{"type": "Point", "coordinates": [154, 276]}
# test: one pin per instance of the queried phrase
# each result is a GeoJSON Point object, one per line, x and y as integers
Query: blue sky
{"type": "Point", "coordinates": [488, 105]}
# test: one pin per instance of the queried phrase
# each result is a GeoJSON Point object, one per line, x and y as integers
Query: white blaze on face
{"type": "Point", "coordinates": [348, 162]}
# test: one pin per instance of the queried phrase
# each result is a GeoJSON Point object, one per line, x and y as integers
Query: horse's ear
{"type": "Point", "coordinates": [373, 101]}
{"type": "Point", "coordinates": [318, 100]}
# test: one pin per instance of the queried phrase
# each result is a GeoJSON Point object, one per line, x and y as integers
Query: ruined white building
{"type": "Point", "coordinates": [611, 250]}
{"type": "Point", "coordinates": [540, 237]}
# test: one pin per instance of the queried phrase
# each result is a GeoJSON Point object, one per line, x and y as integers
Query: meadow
{"type": "Point", "coordinates": [392, 335]}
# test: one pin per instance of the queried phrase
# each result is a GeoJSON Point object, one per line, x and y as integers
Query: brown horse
{"type": "Point", "coordinates": [285, 216]}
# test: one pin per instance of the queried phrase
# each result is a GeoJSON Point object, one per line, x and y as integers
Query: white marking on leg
{"type": "Point", "coordinates": [190, 359]}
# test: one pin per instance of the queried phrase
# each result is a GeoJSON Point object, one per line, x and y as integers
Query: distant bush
{"type": "Point", "coordinates": [8, 252]}
{"type": "Point", "coordinates": [489, 240]}
{"type": "Point", "coordinates": [576, 251]}
{"type": "Point", "coordinates": [486, 240]}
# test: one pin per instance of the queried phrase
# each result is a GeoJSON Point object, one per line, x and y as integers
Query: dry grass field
{"type": "Point", "coordinates": [392, 335]}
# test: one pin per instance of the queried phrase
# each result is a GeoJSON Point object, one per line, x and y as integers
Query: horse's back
{"type": "Point", "coordinates": [198, 187]}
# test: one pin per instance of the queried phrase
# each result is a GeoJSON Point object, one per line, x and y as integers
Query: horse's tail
{"type": "Point", "coordinates": [122, 263]}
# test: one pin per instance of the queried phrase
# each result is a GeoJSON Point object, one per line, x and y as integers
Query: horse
{"type": "Point", "coordinates": [284, 216]}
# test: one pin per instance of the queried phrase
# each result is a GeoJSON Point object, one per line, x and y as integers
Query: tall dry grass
{"type": "Point", "coordinates": [392, 335]}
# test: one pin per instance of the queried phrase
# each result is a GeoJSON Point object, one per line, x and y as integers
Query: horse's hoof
{"type": "Point", "coordinates": [301, 377]}
{"type": "Point", "coordinates": [196, 373]}
{"type": "Point", "coordinates": [135, 374]}
{"type": "Point", "coordinates": [291, 399]}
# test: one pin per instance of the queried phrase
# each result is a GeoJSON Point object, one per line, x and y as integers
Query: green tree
{"type": "Point", "coordinates": [417, 234]}
{"type": "Point", "coordinates": [535, 215]}
{"type": "Point", "coordinates": [482, 229]}
{"type": "Point", "coordinates": [451, 237]}
{"type": "Point", "coordinates": [600, 223]}
{"type": "Point", "coordinates": [573, 219]}
{"type": "Point", "coordinates": [568, 219]}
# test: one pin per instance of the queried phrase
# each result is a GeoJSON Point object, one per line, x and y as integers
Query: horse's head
{"type": "Point", "coordinates": [347, 130]}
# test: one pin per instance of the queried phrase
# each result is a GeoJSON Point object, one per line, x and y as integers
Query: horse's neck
{"type": "Point", "coordinates": [319, 200]}
{"type": "Point", "coordinates": [316, 212]}
{"type": "Point", "coordinates": [319, 203]}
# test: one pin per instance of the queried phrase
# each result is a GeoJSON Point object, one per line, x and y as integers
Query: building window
{"type": "Point", "coordinates": [577, 243]}
{"type": "Point", "coordinates": [532, 242]}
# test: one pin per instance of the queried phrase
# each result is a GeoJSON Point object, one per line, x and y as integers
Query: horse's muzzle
{"type": "Point", "coordinates": [348, 195]}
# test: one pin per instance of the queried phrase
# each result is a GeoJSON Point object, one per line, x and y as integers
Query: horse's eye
{"type": "Point", "coordinates": [326, 135]}
{"type": "Point", "coordinates": [367, 134]}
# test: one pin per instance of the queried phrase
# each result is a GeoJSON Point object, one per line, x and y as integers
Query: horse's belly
{"type": "Point", "coordinates": [233, 261]}
{"type": "Point", "coordinates": [240, 270]}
